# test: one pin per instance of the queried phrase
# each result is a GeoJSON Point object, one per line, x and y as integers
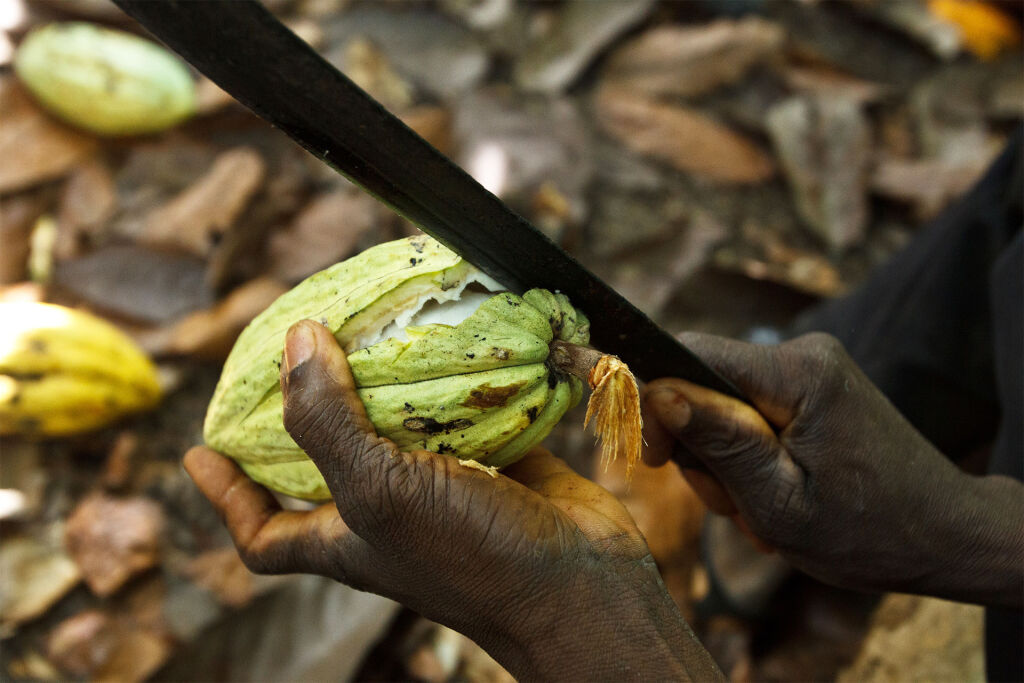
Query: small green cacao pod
{"type": "Point", "coordinates": [480, 390]}
{"type": "Point", "coordinates": [106, 81]}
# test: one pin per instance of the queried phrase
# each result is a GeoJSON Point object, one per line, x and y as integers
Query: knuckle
{"type": "Point", "coordinates": [823, 358]}
{"type": "Point", "coordinates": [392, 496]}
{"type": "Point", "coordinates": [325, 422]}
{"type": "Point", "coordinates": [756, 467]}
{"type": "Point", "coordinates": [730, 438]}
{"type": "Point", "coordinates": [254, 561]}
{"type": "Point", "coordinates": [302, 416]}
{"type": "Point", "coordinates": [785, 516]}
{"type": "Point", "coordinates": [824, 348]}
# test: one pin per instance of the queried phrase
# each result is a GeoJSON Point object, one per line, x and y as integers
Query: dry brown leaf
{"type": "Point", "coordinates": [211, 333]}
{"type": "Point", "coordinates": [240, 256]}
{"type": "Point", "coordinates": [18, 216]}
{"type": "Point", "coordinates": [927, 184]}
{"type": "Point", "coordinates": [136, 657]}
{"type": "Point", "coordinates": [518, 147]}
{"type": "Point", "coordinates": [79, 643]}
{"type": "Point", "coordinates": [325, 232]}
{"type": "Point", "coordinates": [580, 30]}
{"type": "Point", "coordinates": [121, 462]}
{"type": "Point", "coordinates": [137, 283]}
{"type": "Point", "coordinates": [369, 68]}
{"type": "Point", "coordinates": [102, 645]}
{"type": "Point", "coordinates": [94, 10]}
{"type": "Point", "coordinates": [88, 201]}
{"type": "Point", "coordinates": [819, 79]}
{"type": "Point", "coordinates": [824, 147]}
{"type": "Point", "coordinates": [687, 61]}
{"type": "Point", "coordinates": [308, 29]}
{"type": "Point", "coordinates": [767, 257]}
{"type": "Point", "coordinates": [34, 147]}
{"type": "Point", "coordinates": [31, 666]}
{"type": "Point", "coordinates": [210, 99]}
{"type": "Point", "coordinates": [432, 123]}
{"type": "Point", "coordinates": [651, 279]}
{"type": "Point", "coordinates": [197, 218]}
{"type": "Point", "coordinates": [681, 137]}
{"type": "Point", "coordinates": [919, 638]}
{"type": "Point", "coordinates": [113, 539]}
{"type": "Point", "coordinates": [34, 577]}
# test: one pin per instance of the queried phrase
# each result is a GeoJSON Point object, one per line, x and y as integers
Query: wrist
{"type": "Point", "coordinates": [978, 543]}
{"type": "Point", "coordinates": [616, 626]}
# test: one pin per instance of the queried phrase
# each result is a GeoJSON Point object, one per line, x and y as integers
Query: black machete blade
{"type": "Point", "coordinates": [242, 48]}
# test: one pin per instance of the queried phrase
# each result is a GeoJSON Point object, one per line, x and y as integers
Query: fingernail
{"type": "Point", "coordinates": [670, 407]}
{"type": "Point", "coordinates": [299, 346]}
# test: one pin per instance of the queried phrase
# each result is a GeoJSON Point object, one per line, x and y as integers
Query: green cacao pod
{"type": "Point", "coordinates": [106, 81]}
{"type": "Point", "coordinates": [481, 390]}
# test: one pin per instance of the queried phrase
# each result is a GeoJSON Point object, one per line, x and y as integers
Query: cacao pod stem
{"type": "Point", "coordinates": [614, 403]}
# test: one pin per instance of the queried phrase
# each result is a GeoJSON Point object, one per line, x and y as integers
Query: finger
{"type": "Point", "coordinates": [759, 545]}
{"type": "Point", "coordinates": [271, 540]}
{"type": "Point", "coordinates": [661, 446]}
{"type": "Point", "coordinates": [577, 497]}
{"type": "Point", "coordinates": [658, 443]}
{"type": "Point", "coordinates": [763, 374]}
{"type": "Point", "coordinates": [244, 506]}
{"type": "Point", "coordinates": [313, 365]}
{"type": "Point", "coordinates": [711, 492]}
{"type": "Point", "coordinates": [323, 412]}
{"type": "Point", "coordinates": [387, 496]}
{"type": "Point", "coordinates": [552, 477]}
{"type": "Point", "coordinates": [732, 439]}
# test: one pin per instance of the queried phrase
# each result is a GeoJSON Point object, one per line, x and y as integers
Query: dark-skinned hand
{"type": "Point", "coordinates": [542, 568]}
{"type": "Point", "coordinates": [824, 469]}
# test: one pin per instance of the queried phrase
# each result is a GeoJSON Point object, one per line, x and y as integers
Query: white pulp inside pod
{"type": "Point", "coordinates": [449, 307]}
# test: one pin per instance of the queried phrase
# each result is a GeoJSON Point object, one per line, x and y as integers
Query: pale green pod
{"type": "Point", "coordinates": [480, 390]}
{"type": "Point", "coordinates": [106, 81]}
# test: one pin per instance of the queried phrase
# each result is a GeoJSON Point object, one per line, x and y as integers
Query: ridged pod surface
{"type": "Point", "coordinates": [64, 371]}
{"type": "Point", "coordinates": [481, 390]}
{"type": "Point", "coordinates": [103, 80]}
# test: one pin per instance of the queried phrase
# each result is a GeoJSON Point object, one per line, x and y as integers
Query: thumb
{"type": "Point", "coordinates": [384, 495]}
{"type": "Point", "coordinates": [764, 374]}
{"type": "Point", "coordinates": [326, 418]}
{"type": "Point", "coordinates": [322, 411]}
{"type": "Point", "coordinates": [733, 440]}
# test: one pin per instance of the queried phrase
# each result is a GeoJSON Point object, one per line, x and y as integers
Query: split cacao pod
{"type": "Point", "coordinates": [481, 390]}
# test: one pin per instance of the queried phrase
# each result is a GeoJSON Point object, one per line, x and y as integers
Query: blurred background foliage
{"type": "Point", "coordinates": [723, 164]}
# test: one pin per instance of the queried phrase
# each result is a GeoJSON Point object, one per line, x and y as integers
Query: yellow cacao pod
{"type": "Point", "coordinates": [106, 81]}
{"type": "Point", "coordinates": [64, 371]}
{"type": "Point", "coordinates": [480, 390]}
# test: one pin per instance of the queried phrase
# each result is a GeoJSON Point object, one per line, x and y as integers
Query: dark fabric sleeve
{"type": "Point", "coordinates": [921, 326]}
{"type": "Point", "coordinates": [1004, 628]}
{"type": "Point", "coordinates": [939, 330]}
